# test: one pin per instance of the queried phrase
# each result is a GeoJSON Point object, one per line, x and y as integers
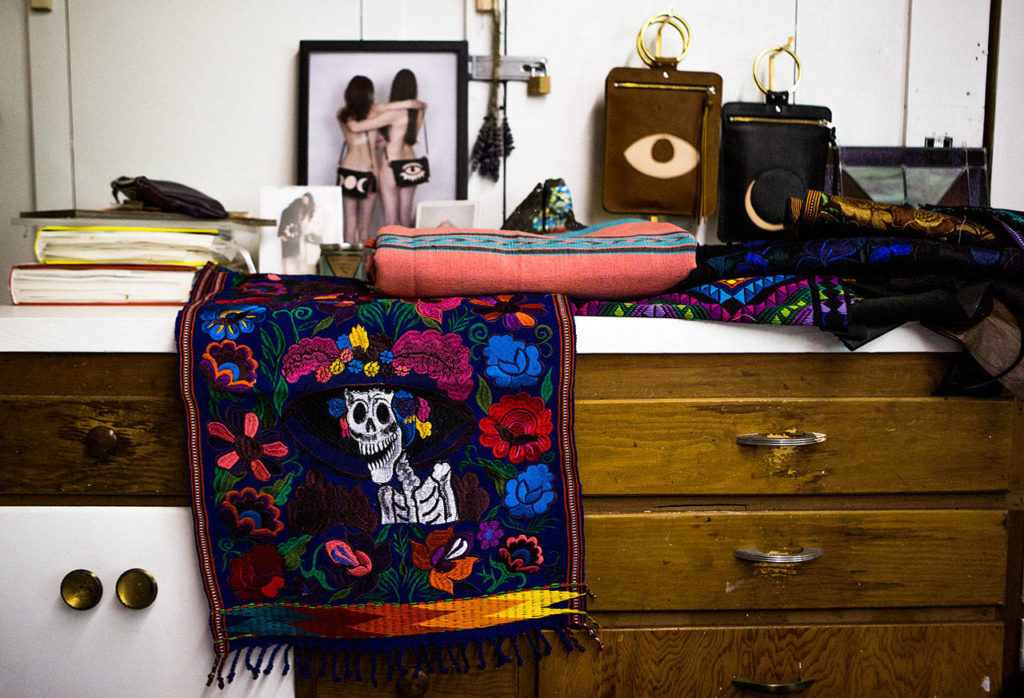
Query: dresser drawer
{"type": "Point", "coordinates": [94, 446]}
{"type": "Point", "coordinates": [686, 561]}
{"type": "Point", "coordinates": [954, 660]}
{"type": "Point", "coordinates": [688, 447]}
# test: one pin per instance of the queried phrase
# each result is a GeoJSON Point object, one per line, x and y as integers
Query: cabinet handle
{"type": "Point", "coordinates": [101, 441]}
{"type": "Point", "coordinates": [136, 588]}
{"type": "Point", "coordinates": [81, 589]}
{"type": "Point", "coordinates": [755, 555]}
{"type": "Point", "coordinates": [773, 689]}
{"type": "Point", "coordinates": [807, 438]}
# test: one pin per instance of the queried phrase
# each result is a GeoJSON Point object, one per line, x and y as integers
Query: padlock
{"type": "Point", "coordinates": [539, 82]}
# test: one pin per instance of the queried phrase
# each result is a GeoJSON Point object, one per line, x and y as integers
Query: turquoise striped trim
{"type": "Point", "coordinates": [524, 244]}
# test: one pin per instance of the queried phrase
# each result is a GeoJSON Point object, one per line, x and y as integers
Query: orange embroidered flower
{"type": "Point", "coordinates": [444, 556]}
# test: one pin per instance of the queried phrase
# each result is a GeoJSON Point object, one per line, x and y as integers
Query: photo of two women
{"type": "Point", "coordinates": [383, 126]}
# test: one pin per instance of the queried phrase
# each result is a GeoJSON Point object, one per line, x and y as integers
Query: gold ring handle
{"type": "Point", "coordinates": [674, 21]}
{"type": "Point", "coordinates": [771, 53]}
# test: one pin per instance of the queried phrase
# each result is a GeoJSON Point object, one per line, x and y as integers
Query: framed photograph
{"type": "Point", "coordinates": [446, 214]}
{"type": "Point", "coordinates": [386, 122]}
{"type": "Point", "coordinates": [307, 217]}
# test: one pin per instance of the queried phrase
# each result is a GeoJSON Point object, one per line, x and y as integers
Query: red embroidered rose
{"type": "Point", "coordinates": [257, 574]}
{"type": "Point", "coordinates": [518, 428]}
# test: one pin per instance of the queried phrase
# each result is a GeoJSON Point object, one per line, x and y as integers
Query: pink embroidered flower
{"type": "Point", "coordinates": [442, 357]}
{"type": "Point", "coordinates": [309, 355]}
{"type": "Point", "coordinates": [249, 449]}
{"type": "Point", "coordinates": [434, 307]}
{"type": "Point", "coordinates": [522, 554]}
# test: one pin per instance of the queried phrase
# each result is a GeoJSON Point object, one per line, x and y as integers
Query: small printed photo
{"type": "Point", "coordinates": [307, 217]}
{"type": "Point", "coordinates": [446, 214]}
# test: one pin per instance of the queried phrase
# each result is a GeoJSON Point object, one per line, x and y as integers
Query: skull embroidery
{"type": "Point", "coordinates": [371, 420]}
{"type": "Point", "coordinates": [373, 425]}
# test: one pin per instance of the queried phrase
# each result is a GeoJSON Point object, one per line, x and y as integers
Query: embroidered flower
{"type": "Point", "coordinates": [530, 493]}
{"type": "Point", "coordinates": [511, 363]}
{"type": "Point", "coordinates": [371, 369]}
{"type": "Point", "coordinates": [434, 308]}
{"type": "Point", "coordinates": [444, 555]}
{"type": "Point", "coordinates": [443, 357]}
{"type": "Point", "coordinates": [355, 562]}
{"type": "Point", "coordinates": [249, 449]}
{"type": "Point", "coordinates": [263, 288]}
{"type": "Point", "coordinates": [251, 514]}
{"type": "Point", "coordinates": [308, 356]}
{"type": "Point", "coordinates": [231, 322]}
{"type": "Point", "coordinates": [489, 535]}
{"type": "Point", "coordinates": [517, 427]}
{"type": "Point", "coordinates": [522, 554]}
{"type": "Point", "coordinates": [229, 366]}
{"type": "Point", "coordinates": [358, 338]}
{"type": "Point", "coordinates": [510, 308]}
{"type": "Point", "coordinates": [314, 505]}
{"type": "Point", "coordinates": [257, 574]}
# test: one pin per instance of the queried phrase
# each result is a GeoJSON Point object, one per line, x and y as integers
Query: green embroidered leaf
{"type": "Point", "coordinates": [382, 534]}
{"type": "Point", "coordinates": [340, 595]}
{"type": "Point", "coordinates": [323, 324]}
{"type": "Point", "coordinates": [483, 396]}
{"type": "Point", "coordinates": [280, 489]}
{"type": "Point", "coordinates": [224, 482]}
{"type": "Point", "coordinates": [280, 393]}
{"type": "Point", "coordinates": [292, 551]}
{"type": "Point", "coordinates": [546, 388]}
{"type": "Point", "coordinates": [432, 323]}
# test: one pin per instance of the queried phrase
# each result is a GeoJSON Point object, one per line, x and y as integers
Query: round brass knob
{"type": "Point", "coordinates": [100, 441]}
{"type": "Point", "coordinates": [81, 589]}
{"type": "Point", "coordinates": [413, 684]}
{"type": "Point", "coordinates": [136, 588]}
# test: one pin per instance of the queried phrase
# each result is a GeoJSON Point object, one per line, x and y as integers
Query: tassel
{"type": "Point", "coordinates": [231, 673]}
{"type": "Point", "coordinates": [270, 662]}
{"type": "Point", "coordinates": [391, 664]}
{"type": "Point", "coordinates": [451, 656]}
{"type": "Point", "coordinates": [401, 662]}
{"type": "Point", "coordinates": [440, 660]}
{"type": "Point", "coordinates": [259, 663]}
{"type": "Point", "coordinates": [323, 664]}
{"type": "Point", "coordinates": [248, 660]}
{"type": "Point", "coordinates": [348, 665]}
{"type": "Point", "coordinates": [334, 667]}
{"type": "Point", "coordinates": [427, 660]}
{"type": "Point", "coordinates": [419, 659]}
{"type": "Point", "coordinates": [373, 669]}
{"type": "Point", "coordinates": [547, 645]}
{"type": "Point", "coordinates": [502, 657]}
{"type": "Point", "coordinates": [533, 644]}
{"type": "Point", "coordinates": [465, 657]}
{"type": "Point", "coordinates": [515, 646]}
{"type": "Point", "coordinates": [287, 666]}
{"type": "Point", "coordinates": [480, 649]}
{"type": "Point", "coordinates": [359, 671]}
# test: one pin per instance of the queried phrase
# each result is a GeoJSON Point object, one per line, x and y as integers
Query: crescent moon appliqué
{"type": "Point", "coordinates": [752, 214]}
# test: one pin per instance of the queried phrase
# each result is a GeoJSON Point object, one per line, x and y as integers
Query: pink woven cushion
{"type": "Point", "coordinates": [615, 260]}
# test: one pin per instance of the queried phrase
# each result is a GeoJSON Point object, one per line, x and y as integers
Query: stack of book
{"type": "Point", "coordinates": [123, 257]}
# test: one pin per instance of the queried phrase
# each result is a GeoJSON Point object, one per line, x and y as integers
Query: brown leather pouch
{"type": "Point", "coordinates": [661, 141]}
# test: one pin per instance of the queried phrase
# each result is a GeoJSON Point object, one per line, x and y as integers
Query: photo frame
{"type": "Point", "coordinates": [328, 73]}
{"type": "Point", "coordinates": [455, 214]}
{"type": "Point", "coordinates": [307, 218]}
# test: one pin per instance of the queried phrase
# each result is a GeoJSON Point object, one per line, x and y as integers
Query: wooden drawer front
{"type": "Point", "coordinates": [689, 446]}
{"type": "Point", "coordinates": [954, 660]}
{"type": "Point", "coordinates": [43, 442]}
{"type": "Point", "coordinates": [685, 561]}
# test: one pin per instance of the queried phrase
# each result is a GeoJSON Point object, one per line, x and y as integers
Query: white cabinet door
{"type": "Point", "coordinates": [48, 649]}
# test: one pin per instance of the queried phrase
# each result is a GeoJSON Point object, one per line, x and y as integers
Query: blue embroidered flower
{"type": "Point", "coordinates": [888, 252]}
{"type": "Point", "coordinates": [385, 356]}
{"type": "Point", "coordinates": [530, 493]}
{"type": "Point", "coordinates": [343, 342]}
{"type": "Point", "coordinates": [355, 366]}
{"type": "Point", "coordinates": [231, 322]}
{"type": "Point", "coordinates": [985, 258]}
{"type": "Point", "coordinates": [511, 363]}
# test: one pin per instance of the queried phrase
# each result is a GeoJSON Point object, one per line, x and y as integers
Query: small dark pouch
{"type": "Point", "coordinates": [170, 197]}
{"type": "Point", "coordinates": [770, 153]}
{"type": "Point", "coordinates": [409, 173]}
{"type": "Point", "coordinates": [356, 184]}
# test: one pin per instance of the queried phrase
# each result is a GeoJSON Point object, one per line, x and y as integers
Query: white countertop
{"type": "Point", "coordinates": [151, 330]}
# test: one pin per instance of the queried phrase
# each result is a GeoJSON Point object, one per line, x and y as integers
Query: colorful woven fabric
{"type": "Point", "coordinates": [378, 476]}
{"type": "Point", "coordinates": [766, 300]}
{"type": "Point", "coordinates": [624, 259]}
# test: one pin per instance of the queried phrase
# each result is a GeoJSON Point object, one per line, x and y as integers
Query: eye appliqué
{"type": "Point", "coordinates": [662, 156]}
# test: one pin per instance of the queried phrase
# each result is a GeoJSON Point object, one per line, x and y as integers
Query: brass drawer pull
{"type": "Point", "coordinates": [755, 555]}
{"type": "Point", "coordinates": [807, 438]}
{"type": "Point", "coordinates": [81, 589]}
{"type": "Point", "coordinates": [100, 442]}
{"type": "Point", "coordinates": [136, 588]}
{"type": "Point", "coordinates": [772, 689]}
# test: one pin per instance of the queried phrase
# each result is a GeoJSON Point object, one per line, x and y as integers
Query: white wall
{"type": "Point", "coordinates": [205, 92]}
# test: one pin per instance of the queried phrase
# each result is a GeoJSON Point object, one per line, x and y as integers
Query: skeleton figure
{"type": "Point", "coordinates": [373, 423]}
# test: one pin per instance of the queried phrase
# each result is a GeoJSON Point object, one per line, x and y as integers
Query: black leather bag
{"type": "Point", "coordinates": [770, 153]}
{"type": "Point", "coordinates": [411, 172]}
{"type": "Point", "coordinates": [170, 197]}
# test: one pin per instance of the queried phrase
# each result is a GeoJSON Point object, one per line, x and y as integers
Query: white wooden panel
{"type": "Point", "coordinates": [401, 20]}
{"type": "Point", "coordinates": [946, 74]}
{"type": "Point", "coordinates": [854, 57]}
{"type": "Point", "coordinates": [48, 649]}
{"type": "Point", "coordinates": [562, 134]}
{"type": "Point", "coordinates": [1008, 136]}
{"type": "Point", "coordinates": [198, 92]}
{"type": "Point", "coordinates": [51, 109]}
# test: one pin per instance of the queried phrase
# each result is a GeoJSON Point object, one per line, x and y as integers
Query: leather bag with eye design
{"type": "Point", "coordinates": [661, 141]}
{"type": "Point", "coordinates": [770, 152]}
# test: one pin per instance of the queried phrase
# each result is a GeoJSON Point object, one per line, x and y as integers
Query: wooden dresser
{"type": "Point", "coordinates": [883, 561]}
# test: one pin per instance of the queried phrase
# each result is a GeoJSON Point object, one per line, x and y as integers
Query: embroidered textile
{"type": "Point", "coordinates": [382, 476]}
{"type": "Point", "coordinates": [766, 300]}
